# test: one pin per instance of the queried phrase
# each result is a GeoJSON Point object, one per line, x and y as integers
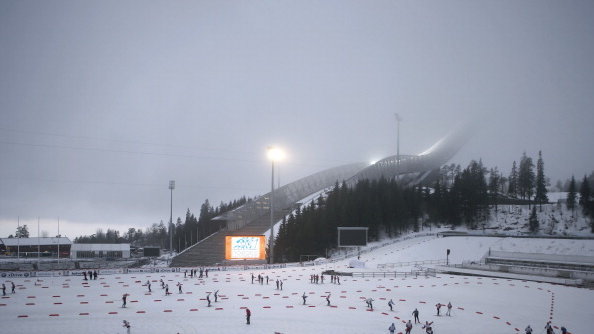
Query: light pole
{"type": "Point", "coordinates": [171, 187]}
{"type": "Point", "coordinates": [398, 120]}
{"type": "Point", "coordinates": [274, 154]}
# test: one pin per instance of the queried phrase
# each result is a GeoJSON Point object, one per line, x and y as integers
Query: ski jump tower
{"type": "Point", "coordinates": [253, 218]}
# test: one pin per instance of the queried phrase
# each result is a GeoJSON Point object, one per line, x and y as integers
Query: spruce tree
{"type": "Point", "coordinates": [571, 195]}
{"type": "Point", "coordinates": [494, 179]}
{"type": "Point", "coordinates": [585, 194]}
{"type": "Point", "coordinates": [541, 186]}
{"type": "Point", "coordinates": [513, 181]}
{"type": "Point", "coordinates": [526, 178]}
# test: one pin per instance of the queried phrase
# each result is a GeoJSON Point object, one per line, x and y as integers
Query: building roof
{"type": "Point", "coordinates": [35, 241]}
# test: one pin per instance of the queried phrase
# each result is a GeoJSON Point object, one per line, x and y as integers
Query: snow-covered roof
{"type": "Point", "coordinates": [100, 247]}
{"type": "Point", "coordinates": [35, 241]}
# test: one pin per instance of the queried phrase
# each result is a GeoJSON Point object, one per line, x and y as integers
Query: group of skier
{"type": "Point", "coordinates": [200, 273]}
{"type": "Point", "coordinates": [12, 286]}
{"type": "Point", "coordinates": [439, 305]}
{"type": "Point", "coordinates": [260, 279]}
{"type": "Point", "coordinates": [91, 274]}
{"type": "Point", "coordinates": [549, 329]}
{"type": "Point", "coordinates": [315, 279]}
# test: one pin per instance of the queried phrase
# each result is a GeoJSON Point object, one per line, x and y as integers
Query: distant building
{"type": "Point", "coordinates": [32, 247]}
{"type": "Point", "coordinates": [106, 251]}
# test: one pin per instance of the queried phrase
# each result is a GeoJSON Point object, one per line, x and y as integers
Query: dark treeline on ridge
{"type": "Point", "coordinates": [386, 208]}
{"type": "Point", "coordinates": [458, 197]}
{"type": "Point", "coordinates": [186, 232]}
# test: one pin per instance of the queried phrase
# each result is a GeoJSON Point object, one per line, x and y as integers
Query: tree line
{"type": "Point", "coordinates": [185, 233]}
{"type": "Point", "coordinates": [459, 196]}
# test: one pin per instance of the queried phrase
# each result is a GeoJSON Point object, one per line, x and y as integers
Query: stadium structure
{"type": "Point", "coordinates": [253, 218]}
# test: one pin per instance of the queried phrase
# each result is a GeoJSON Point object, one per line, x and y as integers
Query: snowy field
{"type": "Point", "coordinates": [486, 305]}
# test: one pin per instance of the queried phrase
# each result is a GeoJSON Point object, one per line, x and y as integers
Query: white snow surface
{"type": "Point", "coordinates": [486, 305]}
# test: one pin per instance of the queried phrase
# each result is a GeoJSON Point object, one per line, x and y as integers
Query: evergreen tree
{"type": "Point", "coordinates": [513, 181]}
{"type": "Point", "coordinates": [533, 224]}
{"type": "Point", "coordinates": [494, 180]}
{"type": "Point", "coordinates": [585, 192]}
{"type": "Point", "coordinates": [571, 194]}
{"type": "Point", "coordinates": [22, 232]}
{"type": "Point", "coordinates": [541, 186]}
{"type": "Point", "coordinates": [526, 178]}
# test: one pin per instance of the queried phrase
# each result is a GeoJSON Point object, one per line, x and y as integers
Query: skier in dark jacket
{"type": "Point", "coordinates": [124, 297]}
{"type": "Point", "coordinates": [549, 328]}
{"type": "Point", "coordinates": [304, 298]}
{"type": "Point", "coordinates": [248, 314]}
{"type": "Point", "coordinates": [392, 328]}
{"type": "Point", "coordinates": [416, 315]}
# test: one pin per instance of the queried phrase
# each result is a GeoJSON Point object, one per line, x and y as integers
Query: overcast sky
{"type": "Point", "coordinates": [102, 103]}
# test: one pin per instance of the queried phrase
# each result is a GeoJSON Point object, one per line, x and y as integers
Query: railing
{"type": "Point", "coordinates": [528, 270]}
{"type": "Point", "coordinates": [405, 274]}
{"type": "Point", "coordinates": [409, 264]}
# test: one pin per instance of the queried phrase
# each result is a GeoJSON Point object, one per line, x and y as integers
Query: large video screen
{"type": "Point", "coordinates": [248, 247]}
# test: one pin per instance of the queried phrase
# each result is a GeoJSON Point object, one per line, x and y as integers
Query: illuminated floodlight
{"type": "Point", "coordinates": [275, 153]}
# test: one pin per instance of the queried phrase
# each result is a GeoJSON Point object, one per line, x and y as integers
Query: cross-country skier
{"type": "Point", "coordinates": [328, 300]}
{"type": "Point", "coordinates": [206, 272]}
{"type": "Point", "coordinates": [3, 289]}
{"type": "Point", "coordinates": [281, 284]}
{"type": "Point", "coordinates": [167, 290]}
{"type": "Point", "coordinates": [416, 315]}
{"type": "Point", "coordinates": [208, 298]}
{"type": "Point", "coordinates": [391, 303]}
{"type": "Point", "coordinates": [179, 287]}
{"type": "Point", "coordinates": [304, 298]}
{"type": "Point", "coordinates": [392, 328]}
{"type": "Point", "coordinates": [408, 327]}
{"type": "Point", "coordinates": [12, 286]}
{"type": "Point", "coordinates": [95, 274]}
{"type": "Point", "coordinates": [564, 330]}
{"type": "Point", "coordinates": [448, 313]}
{"type": "Point", "coordinates": [427, 327]}
{"type": "Point", "coordinates": [127, 326]}
{"type": "Point", "coordinates": [124, 297]}
{"type": "Point", "coordinates": [277, 284]}
{"type": "Point", "coordinates": [85, 275]}
{"type": "Point", "coordinates": [267, 279]}
{"type": "Point", "coordinates": [253, 278]}
{"type": "Point", "coordinates": [148, 284]}
{"type": "Point", "coordinates": [528, 330]}
{"type": "Point", "coordinates": [248, 314]}
{"type": "Point", "coordinates": [438, 306]}
{"type": "Point", "coordinates": [549, 328]}
{"type": "Point", "coordinates": [216, 295]}
{"type": "Point", "coordinates": [369, 303]}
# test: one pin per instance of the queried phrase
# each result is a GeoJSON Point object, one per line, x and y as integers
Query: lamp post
{"type": "Point", "coordinates": [171, 187]}
{"type": "Point", "coordinates": [274, 154]}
